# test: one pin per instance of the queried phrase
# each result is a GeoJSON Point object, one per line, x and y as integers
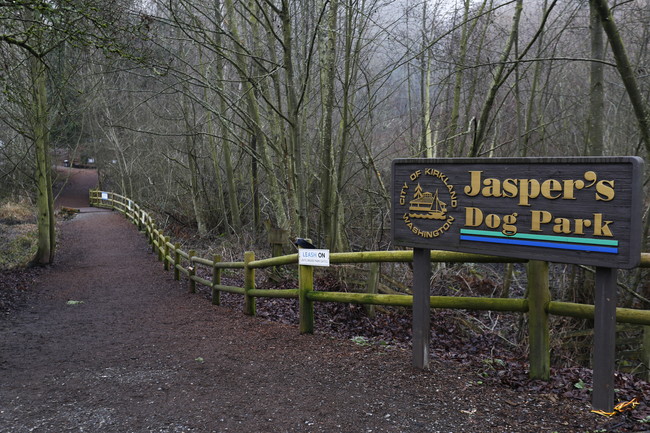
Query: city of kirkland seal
{"type": "Point", "coordinates": [427, 209]}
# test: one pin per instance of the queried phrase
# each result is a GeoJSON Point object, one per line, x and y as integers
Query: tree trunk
{"type": "Point", "coordinates": [328, 173]}
{"type": "Point", "coordinates": [298, 211]}
{"type": "Point", "coordinates": [625, 70]}
{"type": "Point", "coordinates": [528, 126]}
{"type": "Point", "coordinates": [482, 126]}
{"type": "Point", "coordinates": [253, 112]}
{"type": "Point", "coordinates": [197, 204]}
{"type": "Point", "coordinates": [426, 149]}
{"type": "Point", "coordinates": [462, 55]}
{"type": "Point", "coordinates": [596, 92]}
{"type": "Point", "coordinates": [233, 200]}
{"type": "Point", "coordinates": [44, 198]}
{"type": "Point", "coordinates": [477, 77]}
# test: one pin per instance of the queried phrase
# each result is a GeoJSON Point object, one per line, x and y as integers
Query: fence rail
{"type": "Point", "coordinates": [538, 304]}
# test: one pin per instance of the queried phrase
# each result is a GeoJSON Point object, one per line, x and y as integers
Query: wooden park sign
{"type": "Point", "coordinates": [571, 210]}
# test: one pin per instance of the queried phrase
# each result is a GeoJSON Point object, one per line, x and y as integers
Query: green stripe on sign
{"type": "Point", "coordinates": [588, 241]}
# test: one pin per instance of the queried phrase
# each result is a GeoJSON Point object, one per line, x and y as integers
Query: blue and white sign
{"type": "Point", "coordinates": [104, 196]}
{"type": "Point", "coordinates": [313, 257]}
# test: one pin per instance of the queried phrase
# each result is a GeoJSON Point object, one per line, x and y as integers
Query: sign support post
{"type": "Point", "coordinates": [421, 307]}
{"type": "Point", "coordinates": [604, 339]}
{"type": "Point", "coordinates": [538, 335]}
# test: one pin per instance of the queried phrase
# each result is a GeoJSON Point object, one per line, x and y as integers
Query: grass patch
{"type": "Point", "coordinates": [18, 234]}
{"type": "Point", "coordinates": [16, 213]}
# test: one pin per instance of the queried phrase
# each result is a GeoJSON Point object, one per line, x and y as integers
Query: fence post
{"type": "Point", "coordinates": [166, 258]}
{"type": "Point", "coordinates": [306, 307]}
{"type": "Point", "coordinates": [152, 237]}
{"type": "Point", "coordinates": [177, 261]}
{"type": "Point", "coordinates": [191, 272]}
{"type": "Point", "coordinates": [160, 240]}
{"type": "Point", "coordinates": [216, 280]}
{"type": "Point", "coordinates": [371, 287]}
{"type": "Point", "coordinates": [249, 283]}
{"type": "Point", "coordinates": [538, 334]}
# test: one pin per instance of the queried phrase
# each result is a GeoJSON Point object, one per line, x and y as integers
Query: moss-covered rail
{"type": "Point", "coordinates": [538, 304]}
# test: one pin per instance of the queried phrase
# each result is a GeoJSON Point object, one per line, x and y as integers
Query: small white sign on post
{"type": "Point", "coordinates": [313, 257]}
{"type": "Point", "coordinates": [104, 196]}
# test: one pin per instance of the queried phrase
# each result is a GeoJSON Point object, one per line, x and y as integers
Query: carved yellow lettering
{"type": "Point", "coordinates": [492, 221]}
{"type": "Point", "coordinates": [581, 225]}
{"type": "Point", "coordinates": [492, 187]}
{"type": "Point", "coordinates": [474, 187]}
{"type": "Point", "coordinates": [605, 190]}
{"type": "Point", "coordinates": [552, 189]}
{"type": "Point", "coordinates": [509, 227]}
{"type": "Point", "coordinates": [569, 192]}
{"type": "Point", "coordinates": [562, 226]}
{"type": "Point", "coordinates": [601, 228]}
{"type": "Point", "coordinates": [528, 188]}
{"type": "Point", "coordinates": [510, 189]}
{"type": "Point", "coordinates": [539, 217]}
{"type": "Point", "coordinates": [473, 217]}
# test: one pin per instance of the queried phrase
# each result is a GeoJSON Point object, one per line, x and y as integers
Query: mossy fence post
{"type": "Point", "coordinates": [166, 258]}
{"type": "Point", "coordinates": [306, 306]}
{"type": "Point", "coordinates": [177, 261]}
{"type": "Point", "coordinates": [147, 231]}
{"type": "Point", "coordinates": [216, 280]}
{"type": "Point", "coordinates": [538, 334]}
{"type": "Point", "coordinates": [159, 240]}
{"type": "Point", "coordinates": [191, 271]}
{"type": "Point", "coordinates": [372, 285]}
{"type": "Point", "coordinates": [152, 237]}
{"type": "Point", "coordinates": [249, 284]}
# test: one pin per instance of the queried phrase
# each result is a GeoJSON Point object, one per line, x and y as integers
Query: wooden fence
{"type": "Point", "coordinates": [538, 303]}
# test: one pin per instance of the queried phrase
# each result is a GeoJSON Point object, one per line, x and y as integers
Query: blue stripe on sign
{"type": "Point", "coordinates": [563, 246]}
{"type": "Point", "coordinates": [567, 239]}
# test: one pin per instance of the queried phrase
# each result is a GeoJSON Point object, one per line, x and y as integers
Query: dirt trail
{"type": "Point", "coordinates": [135, 352]}
{"type": "Point", "coordinates": [76, 182]}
